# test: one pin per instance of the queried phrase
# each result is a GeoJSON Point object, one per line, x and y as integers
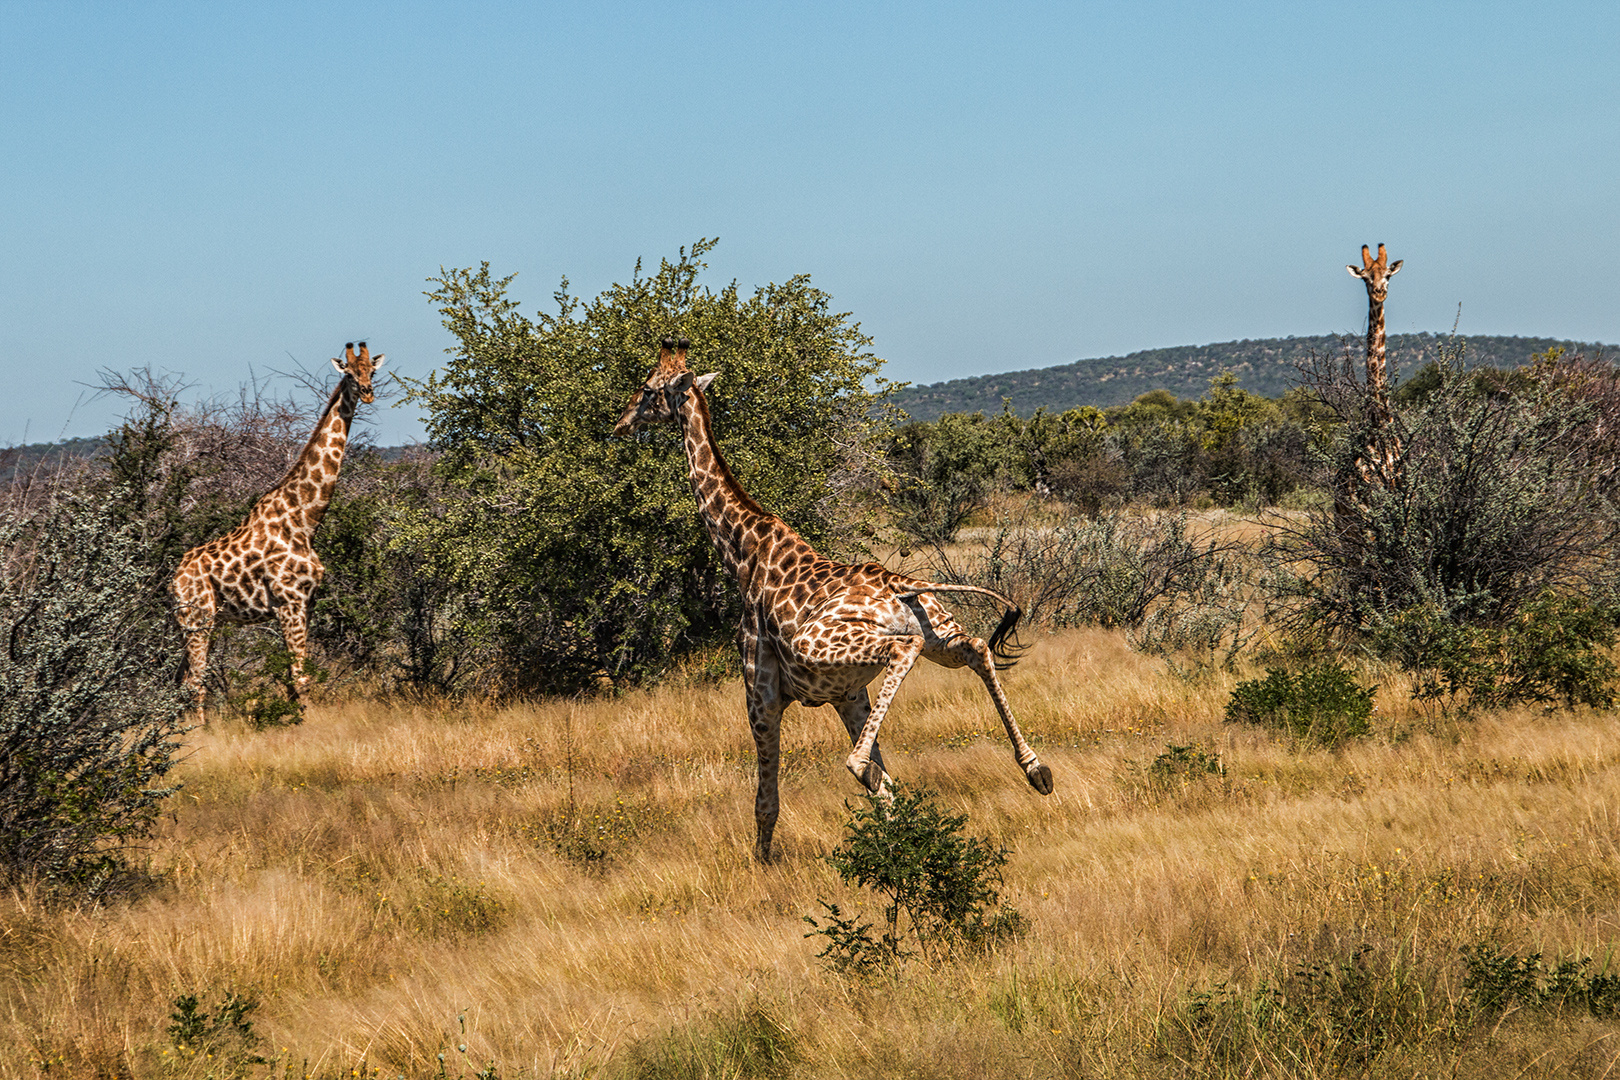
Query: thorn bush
{"type": "Point", "coordinates": [89, 714]}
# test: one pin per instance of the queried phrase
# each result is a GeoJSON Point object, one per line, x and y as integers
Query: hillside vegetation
{"type": "Point", "coordinates": [1265, 366]}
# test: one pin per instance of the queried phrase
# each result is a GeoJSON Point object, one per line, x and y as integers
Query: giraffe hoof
{"type": "Point", "coordinates": [1040, 778]}
{"type": "Point", "coordinates": [868, 772]}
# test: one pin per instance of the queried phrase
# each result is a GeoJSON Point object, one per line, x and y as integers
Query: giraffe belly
{"type": "Point", "coordinates": [826, 685]}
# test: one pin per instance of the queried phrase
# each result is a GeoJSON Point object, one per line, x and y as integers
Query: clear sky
{"type": "Point", "coordinates": [214, 189]}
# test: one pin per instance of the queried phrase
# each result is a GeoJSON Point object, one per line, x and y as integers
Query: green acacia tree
{"type": "Point", "coordinates": [576, 555]}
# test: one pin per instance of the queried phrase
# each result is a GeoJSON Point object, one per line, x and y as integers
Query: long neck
{"type": "Point", "coordinates": [1377, 366]}
{"type": "Point", "coordinates": [306, 490]}
{"type": "Point", "coordinates": [736, 523]}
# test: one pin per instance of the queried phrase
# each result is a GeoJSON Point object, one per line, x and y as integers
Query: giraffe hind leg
{"type": "Point", "coordinates": [975, 654]}
{"type": "Point", "coordinates": [193, 668]}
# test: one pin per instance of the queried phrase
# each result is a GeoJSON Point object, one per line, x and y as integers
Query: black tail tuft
{"type": "Point", "coordinates": [1007, 652]}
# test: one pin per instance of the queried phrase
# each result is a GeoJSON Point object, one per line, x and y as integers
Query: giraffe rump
{"type": "Point", "coordinates": [1007, 652]}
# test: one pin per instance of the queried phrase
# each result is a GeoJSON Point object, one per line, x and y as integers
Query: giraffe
{"type": "Point", "coordinates": [1378, 464]}
{"type": "Point", "coordinates": [813, 630]}
{"type": "Point", "coordinates": [265, 567]}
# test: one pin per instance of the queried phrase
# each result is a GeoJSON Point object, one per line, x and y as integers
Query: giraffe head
{"type": "Point", "coordinates": [361, 365]}
{"type": "Point", "coordinates": [1376, 272]}
{"type": "Point", "coordinates": [659, 399]}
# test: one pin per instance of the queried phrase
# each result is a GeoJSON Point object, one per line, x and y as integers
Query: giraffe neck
{"type": "Point", "coordinates": [736, 523]}
{"type": "Point", "coordinates": [300, 500]}
{"type": "Point", "coordinates": [1377, 366]}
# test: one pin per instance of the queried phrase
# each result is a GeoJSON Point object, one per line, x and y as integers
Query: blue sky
{"type": "Point", "coordinates": [216, 189]}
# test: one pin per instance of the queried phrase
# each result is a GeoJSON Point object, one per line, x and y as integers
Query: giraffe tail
{"type": "Point", "coordinates": [1004, 645]}
{"type": "Point", "coordinates": [1007, 652]}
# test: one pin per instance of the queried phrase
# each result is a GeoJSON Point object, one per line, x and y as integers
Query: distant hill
{"type": "Point", "coordinates": [1265, 367]}
{"type": "Point", "coordinates": [21, 461]}
{"type": "Point", "coordinates": [18, 461]}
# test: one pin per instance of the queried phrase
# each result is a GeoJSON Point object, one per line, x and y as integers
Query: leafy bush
{"type": "Point", "coordinates": [575, 555]}
{"type": "Point", "coordinates": [942, 888]}
{"type": "Point", "coordinates": [89, 712]}
{"type": "Point", "coordinates": [1554, 650]}
{"type": "Point", "coordinates": [947, 471]}
{"type": "Point", "coordinates": [1322, 703]}
{"type": "Point", "coordinates": [1141, 573]}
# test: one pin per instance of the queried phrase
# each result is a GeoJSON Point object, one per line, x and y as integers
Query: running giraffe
{"type": "Point", "coordinates": [813, 630]}
{"type": "Point", "coordinates": [266, 568]}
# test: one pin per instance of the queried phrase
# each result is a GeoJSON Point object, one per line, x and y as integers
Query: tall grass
{"type": "Point", "coordinates": [567, 889]}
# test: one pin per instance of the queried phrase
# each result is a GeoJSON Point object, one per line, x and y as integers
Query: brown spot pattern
{"type": "Point", "coordinates": [265, 568]}
{"type": "Point", "coordinates": [813, 630]}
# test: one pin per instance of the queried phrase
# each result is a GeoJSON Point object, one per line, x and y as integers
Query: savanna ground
{"type": "Point", "coordinates": [567, 889]}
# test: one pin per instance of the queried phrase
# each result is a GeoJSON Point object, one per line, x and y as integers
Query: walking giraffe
{"type": "Point", "coordinates": [813, 630]}
{"type": "Point", "coordinates": [266, 568]}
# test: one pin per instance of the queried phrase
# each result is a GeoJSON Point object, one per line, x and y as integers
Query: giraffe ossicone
{"type": "Point", "coordinates": [815, 631]}
{"type": "Point", "coordinates": [266, 568]}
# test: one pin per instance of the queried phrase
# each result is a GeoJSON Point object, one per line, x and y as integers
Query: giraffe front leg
{"type": "Point", "coordinates": [293, 617]}
{"type": "Point", "coordinates": [762, 682]}
{"type": "Point", "coordinates": [765, 718]}
{"type": "Point", "coordinates": [902, 653]}
{"type": "Point", "coordinates": [854, 711]}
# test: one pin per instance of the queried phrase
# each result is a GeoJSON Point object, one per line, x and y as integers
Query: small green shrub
{"type": "Point", "coordinates": [1179, 764]}
{"type": "Point", "coordinates": [1322, 704]}
{"type": "Point", "coordinates": [226, 1034]}
{"type": "Point", "coordinates": [453, 907]}
{"type": "Point", "coordinates": [1330, 1016]}
{"type": "Point", "coordinates": [1498, 980]}
{"type": "Point", "coordinates": [942, 888]}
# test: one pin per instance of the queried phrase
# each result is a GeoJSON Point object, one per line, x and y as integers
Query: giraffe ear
{"type": "Point", "coordinates": [341, 370]}
{"type": "Point", "coordinates": [377, 361]}
{"type": "Point", "coordinates": [1395, 266]}
{"type": "Point", "coordinates": [702, 381]}
{"type": "Point", "coordinates": [1354, 270]}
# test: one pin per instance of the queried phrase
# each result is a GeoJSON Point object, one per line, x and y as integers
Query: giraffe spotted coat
{"type": "Point", "coordinates": [813, 630]}
{"type": "Point", "coordinates": [266, 568]}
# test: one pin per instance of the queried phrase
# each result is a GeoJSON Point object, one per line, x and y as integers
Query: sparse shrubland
{"type": "Point", "coordinates": [1199, 898]}
{"type": "Point", "coordinates": [1397, 859]}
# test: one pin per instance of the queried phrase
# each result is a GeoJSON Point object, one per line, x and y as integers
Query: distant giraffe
{"type": "Point", "coordinates": [813, 630]}
{"type": "Point", "coordinates": [1380, 458]}
{"type": "Point", "coordinates": [266, 568]}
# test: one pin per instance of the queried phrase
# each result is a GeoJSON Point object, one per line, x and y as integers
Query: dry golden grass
{"type": "Point", "coordinates": [567, 889]}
